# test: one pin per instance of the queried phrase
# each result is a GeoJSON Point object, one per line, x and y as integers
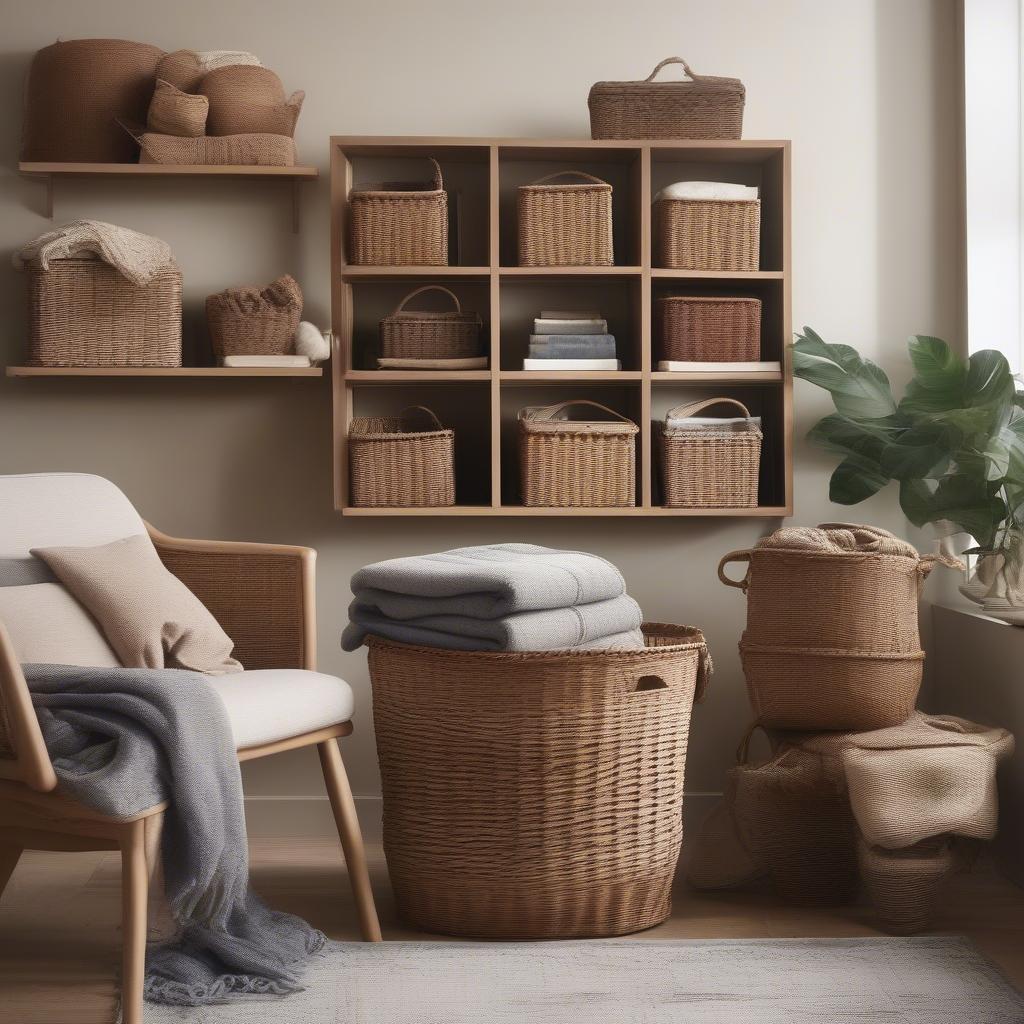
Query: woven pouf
{"type": "Point", "coordinates": [535, 795]}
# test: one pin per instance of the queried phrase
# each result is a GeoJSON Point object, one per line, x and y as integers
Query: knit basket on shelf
{"type": "Point", "coordinates": [705, 107]}
{"type": "Point", "coordinates": [535, 795]}
{"type": "Point", "coordinates": [419, 334]}
{"type": "Point", "coordinates": [716, 329]}
{"type": "Point", "coordinates": [399, 223]}
{"type": "Point", "coordinates": [568, 463]}
{"type": "Point", "coordinates": [704, 466]}
{"type": "Point", "coordinates": [707, 234]}
{"type": "Point", "coordinates": [255, 321]}
{"type": "Point", "coordinates": [396, 462]}
{"type": "Point", "coordinates": [565, 224]}
{"type": "Point", "coordinates": [83, 312]}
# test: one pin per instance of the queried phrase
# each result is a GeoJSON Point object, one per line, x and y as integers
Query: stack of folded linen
{"type": "Point", "coordinates": [499, 597]}
{"type": "Point", "coordinates": [571, 341]}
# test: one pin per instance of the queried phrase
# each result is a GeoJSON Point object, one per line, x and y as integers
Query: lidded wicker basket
{"type": "Point", "coordinates": [716, 328]}
{"type": "Point", "coordinates": [400, 223]}
{"type": "Point", "coordinates": [565, 224]}
{"type": "Point", "coordinates": [392, 462]}
{"type": "Point", "coordinates": [707, 234]}
{"type": "Point", "coordinates": [705, 107]}
{"type": "Point", "coordinates": [419, 334]}
{"type": "Point", "coordinates": [255, 321]}
{"type": "Point", "coordinates": [543, 799]}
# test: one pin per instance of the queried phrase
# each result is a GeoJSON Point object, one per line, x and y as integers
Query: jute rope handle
{"type": "Point", "coordinates": [673, 60]}
{"type": "Point", "coordinates": [694, 407]}
{"type": "Point", "coordinates": [743, 750]}
{"type": "Point", "coordinates": [422, 408]}
{"type": "Point", "coordinates": [438, 180]}
{"type": "Point", "coordinates": [563, 174]}
{"type": "Point", "coordinates": [552, 411]}
{"type": "Point", "coordinates": [735, 556]}
{"type": "Point", "coordinates": [429, 288]}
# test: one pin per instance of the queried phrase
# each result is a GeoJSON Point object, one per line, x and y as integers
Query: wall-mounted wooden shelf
{"type": "Point", "coordinates": [164, 371]}
{"type": "Point", "coordinates": [481, 405]}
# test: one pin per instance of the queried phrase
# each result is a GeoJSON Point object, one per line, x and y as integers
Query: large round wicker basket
{"type": "Point", "coordinates": [535, 795]}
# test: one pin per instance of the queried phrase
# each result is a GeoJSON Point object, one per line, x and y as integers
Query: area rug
{"type": "Point", "coordinates": [755, 981]}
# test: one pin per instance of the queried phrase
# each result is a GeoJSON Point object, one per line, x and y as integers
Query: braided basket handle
{"type": "Point", "coordinates": [551, 411]}
{"type": "Point", "coordinates": [422, 408]}
{"type": "Point", "coordinates": [673, 60]}
{"type": "Point", "coordinates": [430, 288]}
{"type": "Point", "coordinates": [688, 409]}
{"type": "Point", "coordinates": [563, 174]}
{"type": "Point", "coordinates": [438, 180]}
{"type": "Point", "coordinates": [735, 556]}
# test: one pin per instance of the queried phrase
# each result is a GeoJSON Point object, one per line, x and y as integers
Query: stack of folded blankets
{"type": "Point", "coordinates": [499, 597]}
{"type": "Point", "coordinates": [571, 341]}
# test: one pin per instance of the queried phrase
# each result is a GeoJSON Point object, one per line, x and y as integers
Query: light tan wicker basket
{"type": "Point", "coordinates": [392, 463]}
{"type": "Point", "coordinates": [707, 234]}
{"type": "Point", "coordinates": [83, 312]}
{"type": "Point", "coordinates": [568, 463]}
{"type": "Point", "coordinates": [535, 795]}
{"type": "Point", "coordinates": [702, 467]}
{"type": "Point", "coordinates": [418, 334]}
{"type": "Point", "coordinates": [400, 223]}
{"type": "Point", "coordinates": [255, 321]}
{"type": "Point", "coordinates": [705, 107]}
{"type": "Point", "coordinates": [565, 224]}
{"type": "Point", "coordinates": [715, 328]}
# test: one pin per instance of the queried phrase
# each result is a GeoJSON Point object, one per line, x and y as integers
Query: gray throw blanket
{"type": "Point", "coordinates": [122, 740]}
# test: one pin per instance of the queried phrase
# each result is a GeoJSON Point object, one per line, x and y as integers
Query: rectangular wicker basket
{"type": "Point", "coordinates": [419, 334]}
{"type": "Point", "coordinates": [83, 312]}
{"type": "Point", "coordinates": [400, 223]}
{"type": "Point", "coordinates": [569, 463]}
{"type": "Point", "coordinates": [392, 462]}
{"type": "Point", "coordinates": [715, 328]}
{"type": "Point", "coordinates": [708, 468]}
{"type": "Point", "coordinates": [565, 224]}
{"type": "Point", "coordinates": [707, 234]}
{"type": "Point", "coordinates": [705, 107]}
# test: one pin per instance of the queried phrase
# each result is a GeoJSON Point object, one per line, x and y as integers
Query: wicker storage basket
{"type": "Point", "coordinates": [255, 321]}
{"type": "Point", "coordinates": [83, 312]}
{"type": "Point", "coordinates": [565, 225]}
{"type": "Point", "coordinates": [702, 467]}
{"type": "Point", "coordinates": [716, 329]}
{"type": "Point", "coordinates": [409, 334]}
{"type": "Point", "coordinates": [702, 108]}
{"type": "Point", "coordinates": [247, 150]}
{"type": "Point", "coordinates": [569, 463]}
{"type": "Point", "coordinates": [535, 795]}
{"type": "Point", "coordinates": [400, 224]}
{"type": "Point", "coordinates": [394, 463]}
{"type": "Point", "coordinates": [707, 234]}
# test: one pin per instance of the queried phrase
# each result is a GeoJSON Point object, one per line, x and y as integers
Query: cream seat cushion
{"type": "Point", "coordinates": [266, 705]}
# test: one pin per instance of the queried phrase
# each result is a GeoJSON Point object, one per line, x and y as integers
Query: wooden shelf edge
{"type": "Point", "coordinates": [72, 169]}
{"type": "Point", "coordinates": [351, 272]}
{"type": "Point", "coordinates": [696, 377]}
{"type": "Point", "coordinates": [164, 371]}
{"type": "Point", "coordinates": [414, 376]}
{"type": "Point", "coordinates": [570, 376]}
{"type": "Point", "coordinates": [512, 511]}
{"type": "Point", "coordinates": [717, 275]}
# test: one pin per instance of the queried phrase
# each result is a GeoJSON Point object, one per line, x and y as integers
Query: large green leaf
{"type": "Point", "coordinates": [867, 438]}
{"type": "Point", "coordinates": [972, 504]}
{"type": "Point", "coordinates": [916, 501]}
{"type": "Point", "coordinates": [921, 452]}
{"type": "Point", "coordinates": [944, 383]}
{"type": "Point", "coordinates": [855, 479]}
{"type": "Point", "coordinates": [859, 388]}
{"type": "Point", "coordinates": [989, 381]}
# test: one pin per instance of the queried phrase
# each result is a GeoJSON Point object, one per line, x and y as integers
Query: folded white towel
{"type": "Point", "coordinates": [721, 190]}
{"type": "Point", "coordinates": [715, 424]}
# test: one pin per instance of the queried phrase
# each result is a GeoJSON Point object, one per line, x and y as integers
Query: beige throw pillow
{"type": "Point", "coordinates": [173, 112]}
{"type": "Point", "coordinates": [150, 618]}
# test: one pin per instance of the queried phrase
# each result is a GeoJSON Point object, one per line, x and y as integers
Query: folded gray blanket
{"type": "Point", "coordinates": [572, 346]}
{"type": "Point", "coordinates": [122, 740]}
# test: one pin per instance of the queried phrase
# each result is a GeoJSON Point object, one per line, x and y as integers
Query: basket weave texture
{"type": "Point", "coordinates": [247, 99]}
{"type": "Point", "coordinates": [707, 234]}
{"type": "Point", "coordinates": [713, 329]}
{"type": "Point", "coordinates": [570, 463]}
{"type": "Point", "coordinates": [565, 225]}
{"type": "Point", "coordinates": [209, 150]}
{"type": "Point", "coordinates": [542, 801]}
{"type": "Point", "coordinates": [173, 112]}
{"type": "Point", "coordinates": [394, 463]}
{"type": "Point", "coordinates": [255, 321]}
{"type": "Point", "coordinates": [705, 107]}
{"type": "Point", "coordinates": [83, 312]}
{"type": "Point", "coordinates": [416, 334]}
{"type": "Point", "coordinates": [706, 468]}
{"type": "Point", "coordinates": [400, 224]}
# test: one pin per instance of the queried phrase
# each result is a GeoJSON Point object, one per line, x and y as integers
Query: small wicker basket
{"type": "Point", "coordinates": [703, 108]}
{"type": "Point", "coordinates": [394, 464]}
{"type": "Point", "coordinates": [717, 329]}
{"type": "Point", "coordinates": [255, 321]}
{"type": "Point", "coordinates": [707, 468]}
{"type": "Point", "coordinates": [416, 334]}
{"type": "Point", "coordinates": [708, 234]}
{"type": "Point", "coordinates": [569, 463]}
{"type": "Point", "coordinates": [400, 223]}
{"type": "Point", "coordinates": [83, 312]}
{"type": "Point", "coordinates": [565, 225]}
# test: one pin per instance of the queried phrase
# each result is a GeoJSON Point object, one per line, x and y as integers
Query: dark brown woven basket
{"type": "Point", "coordinates": [543, 801]}
{"type": "Point", "coordinates": [707, 234]}
{"type": "Point", "coordinates": [702, 108]}
{"type": "Point", "coordinates": [565, 225]}
{"type": "Point", "coordinates": [83, 312]}
{"type": "Point", "coordinates": [252, 321]}
{"type": "Point", "coordinates": [708, 328]}
{"type": "Point", "coordinates": [400, 224]}
{"type": "Point", "coordinates": [569, 463]}
{"type": "Point", "coordinates": [394, 464]}
{"type": "Point", "coordinates": [418, 334]}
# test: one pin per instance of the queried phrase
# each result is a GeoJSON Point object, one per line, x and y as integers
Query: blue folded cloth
{"type": "Point", "coordinates": [572, 346]}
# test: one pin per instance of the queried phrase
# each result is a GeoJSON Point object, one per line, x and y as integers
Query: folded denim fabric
{"type": "Point", "coordinates": [572, 346]}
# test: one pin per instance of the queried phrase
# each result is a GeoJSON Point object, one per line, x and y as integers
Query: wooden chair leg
{"type": "Point", "coordinates": [9, 857]}
{"type": "Point", "coordinates": [344, 808]}
{"type": "Point", "coordinates": [134, 896]}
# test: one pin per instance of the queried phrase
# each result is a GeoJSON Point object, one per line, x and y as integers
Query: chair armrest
{"type": "Point", "coordinates": [263, 595]}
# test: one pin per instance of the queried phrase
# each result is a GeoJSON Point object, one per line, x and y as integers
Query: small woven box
{"type": "Point", "coordinates": [715, 329]}
{"type": "Point", "coordinates": [707, 234]}
{"type": "Point", "coordinates": [565, 224]}
{"type": "Point", "coordinates": [420, 334]}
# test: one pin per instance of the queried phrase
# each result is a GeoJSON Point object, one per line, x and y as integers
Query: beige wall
{"type": "Point", "coordinates": [864, 89]}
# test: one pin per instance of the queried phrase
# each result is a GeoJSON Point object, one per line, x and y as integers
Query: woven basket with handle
{"type": "Point", "coordinates": [565, 224]}
{"type": "Point", "coordinates": [419, 334]}
{"type": "Point", "coordinates": [715, 328]}
{"type": "Point", "coordinates": [704, 107]}
{"type": "Point", "coordinates": [707, 234]}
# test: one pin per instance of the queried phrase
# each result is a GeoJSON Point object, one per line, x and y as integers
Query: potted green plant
{"type": "Point", "coordinates": [954, 444]}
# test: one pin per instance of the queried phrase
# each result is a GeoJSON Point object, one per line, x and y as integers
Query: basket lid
{"type": "Point", "coordinates": [403, 425]}
{"type": "Point", "coordinates": [695, 85]}
{"type": "Point", "coordinates": [547, 184]}
{"type": "Point", "coordinates": [554, 419]}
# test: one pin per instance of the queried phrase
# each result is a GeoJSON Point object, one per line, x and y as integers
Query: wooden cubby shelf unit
{"type": "Point", "coordinates": [481, 176]}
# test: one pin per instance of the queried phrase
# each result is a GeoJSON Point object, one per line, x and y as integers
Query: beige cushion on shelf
{"type": "Point", "coordinates": [150, 618]}
{"type": "Point", "coordinates": [173, 112]}
{"type": "Point", "coordinates": [182, 69]}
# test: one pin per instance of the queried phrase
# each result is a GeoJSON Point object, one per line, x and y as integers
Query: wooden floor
{"type": "Point", "coordinates": [59, 920]}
